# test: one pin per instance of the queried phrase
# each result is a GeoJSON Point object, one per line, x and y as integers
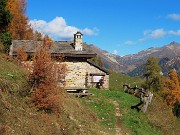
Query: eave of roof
{"type": "Point", "coordinates": [85, 55]}
{"type": "Point", "coordinates": [64, 48]}
{"type": "Point", "coordinates": [100, 68]}
{"type": "Point", "coordinates": [74, 55]}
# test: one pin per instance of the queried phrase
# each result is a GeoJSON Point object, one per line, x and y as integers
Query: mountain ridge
{"type": "Point", "coordinates": [126, 64]}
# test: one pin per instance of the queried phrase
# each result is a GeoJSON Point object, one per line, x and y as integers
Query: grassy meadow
{"type": "Point", "coordinates": [18, 116]}
{"type": "Point", "coordinates": [158, 120]}
{"type": "Point", "coordinates": [93, 115]}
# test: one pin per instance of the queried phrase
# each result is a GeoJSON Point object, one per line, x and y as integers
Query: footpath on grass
{"type": "Point", "coordinates": [118, 118]}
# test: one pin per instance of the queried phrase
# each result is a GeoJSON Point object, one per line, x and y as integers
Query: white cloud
{"type": "Point", "coordinates": [143, 39]}
{"type": "Point", "coordinates": [88, 31]}
{"type": "Point", "coordinates": [158, 33]}
{"type": "Point", "coordinates": [58, 28]}
{"type": "Point", "coordinates": [129, 43]}
{"type": "Point", "coordinates": [153, 34]}
{"type": "Point", "coordinates": [171, 32]}
{"type": "Point", "coordinates": [146, 32]}
{"type": "Point", "coordinates": [115, 52]}
{"type": "Point", "coordinates": [174, 16]}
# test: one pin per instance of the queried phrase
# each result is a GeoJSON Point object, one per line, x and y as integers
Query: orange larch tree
{"type": "Point", "coordinates": [172, 88]}
{"type": "Point", "coordinates": [21, 54]}
{"type": "Point", "coordinates": [38, 35]}
{"type": "Point", "coordinates": [19, 26]}
{"type": "Point", "coordinates": [46, 96]}
{"type": "Point", "coordinates": [22, 57]}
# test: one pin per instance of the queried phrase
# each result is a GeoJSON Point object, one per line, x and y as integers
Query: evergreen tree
{"type": "Point", "coordinates": [5, 19]}
{"type": "Point", "coordinates": [152, 75]}
{"type": "Point", "coordinates": [6, 39]}
{"type": "Point", "coordinates": [5, 16]}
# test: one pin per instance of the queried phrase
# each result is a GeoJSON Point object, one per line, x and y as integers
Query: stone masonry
{"type": "Point", "coordinates": [78, 75]}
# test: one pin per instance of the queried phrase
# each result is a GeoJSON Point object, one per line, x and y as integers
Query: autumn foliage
{"type": "Point", "coordinates": [19, 26]}
{"type": "Point", "coordinates": [21, 54]}
{"type": "Point", "coordinates": [172, 88]}
{"type": "Point", "coordinates": [46, 96]}
{"type": "Point", "coordinates": [167, 87]}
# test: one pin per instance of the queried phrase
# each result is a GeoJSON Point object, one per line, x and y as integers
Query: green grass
{"type": "Point", "coordinates": [94, 115]}
{"type": "Point", "coordinates": [156, 121]}
{"type": "Point", "coordinates": [103, 108]}
{"type": "Point", "coordinates": [136, 122]}
{"type": "Point", "coordinates": [18, 116]}
{"type": "Point", "coordinates": [117, 80]}
{"type": "Point", "coordinates": [12, 77]}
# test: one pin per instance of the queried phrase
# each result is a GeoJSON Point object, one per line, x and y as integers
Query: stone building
{"type": "Point", "coordinates": [81, 73]}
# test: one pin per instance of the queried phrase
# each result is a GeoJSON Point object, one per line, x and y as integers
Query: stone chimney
{"type": "Point", "coordinates": [78, 41]}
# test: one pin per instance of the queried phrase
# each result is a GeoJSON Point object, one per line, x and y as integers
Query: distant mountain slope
{"type": "Point", "coordinates": [109, 60]}
{"type": "Point", "coordinates": [168, 51]}
{"type": "Point", "coordinates": [132, 64]}
{"type": "Point", "coordinates": [166, 65]}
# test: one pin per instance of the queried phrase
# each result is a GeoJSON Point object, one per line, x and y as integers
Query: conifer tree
{"type": "Point", "coordinates": [152, 75]}
{"type": "Point", "coordinates": [19, 26]}
{"type": "Point", "coordinates": [5, 16]}
{"type": "Point", "coordinates": [171, 88]}
{"type": "Point", "coordinates": [5, 19]}
{"type": "Point", "coordinates": [21, 56]}
{"type": "Point", "coordinates": [46, 96]}
{"type": "Point", "coordinates": [38, 35]}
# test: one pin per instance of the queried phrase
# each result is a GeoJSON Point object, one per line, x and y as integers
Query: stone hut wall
{"type": "Point", "coordinates": [92, 70]}
{"type": "Point", "coordinates": [79, 74]}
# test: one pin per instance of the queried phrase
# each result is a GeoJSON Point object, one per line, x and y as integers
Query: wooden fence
{"type": "Point", "coordinates": [144, 95]}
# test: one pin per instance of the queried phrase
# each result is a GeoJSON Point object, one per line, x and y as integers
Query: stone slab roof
{"type": "Point", "coordinates": [100, 68]}
{"type": "Point", "coordinates": [59, 47]}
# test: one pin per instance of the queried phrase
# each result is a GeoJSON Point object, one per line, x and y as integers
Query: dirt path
{"type": "Point", "coordinates": [118, 119]}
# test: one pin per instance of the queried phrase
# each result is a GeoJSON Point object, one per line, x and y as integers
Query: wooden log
{"type": "Point", "coordinates": [80, 94]}
{"type": "Point", "coordinates": [147, 100]}
{"type": "Point", "coordinates": [126, 88]}
{"type": "Point", "coordinates": [75, 89]}
{"type": "Point", "coordinates": [150, 97]}
{"type": "Point", "coordinates": [145, 96]}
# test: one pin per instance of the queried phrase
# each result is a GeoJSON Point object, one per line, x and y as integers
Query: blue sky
{"type": "Point", "coordinates": [117, 26]}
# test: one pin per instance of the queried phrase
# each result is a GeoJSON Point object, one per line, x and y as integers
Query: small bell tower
{"type": "Point", "coordinates": [78, 41]}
